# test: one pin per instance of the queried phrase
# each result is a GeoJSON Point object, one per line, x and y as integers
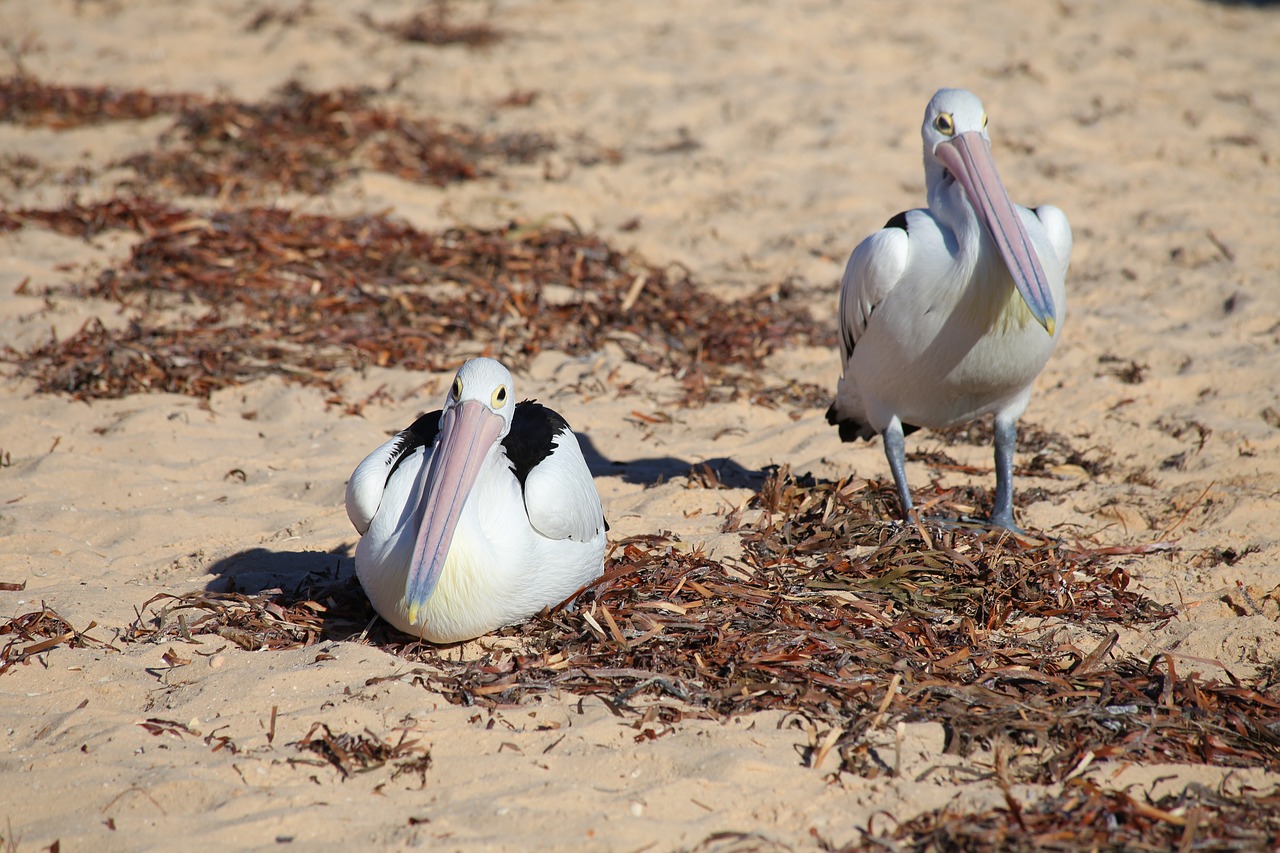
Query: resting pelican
{"type": "Point", "coordinates": [476, 516]}
{"type": "Point", "coordinates": [949, 313]}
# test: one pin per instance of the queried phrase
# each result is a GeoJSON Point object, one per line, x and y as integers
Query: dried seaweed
{"type": "Point", "coordinates": [359, 753]}
{"type": "Point", "coordinates": [39, 631]}
{"type": "Point", "coordinates": [436, 28]}
{"type": "Point", "coordinates": [695, 636]}
{"type": "Point", "coordinates": [1047, 449]}
{"type": "Point", "coordinates": [98, 362]}
{"type": "Point", "coordinates": [306, 141]}
{"type": "Point", "coordinates": [145, 216]}
{"type": "Point", "coordinates": [26, 100]}
{"type": "Point", "coordinates": [253, 622]}
{"type": "Point", "coordinates": [301, 295]}
{"type": "Point", "coordinates": [1087, 817]}
{"type": "Point", "coordinates": [847, 620]}
{"type": "Point", "coordinates": [936, 572]}
{"type": "Point", "coordinates": [156, 726]}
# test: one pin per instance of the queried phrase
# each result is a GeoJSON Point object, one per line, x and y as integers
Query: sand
{"type": "Point", "coordinates": [759, 141]}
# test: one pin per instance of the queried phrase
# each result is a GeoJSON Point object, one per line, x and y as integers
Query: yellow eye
{"type": "Point", "coordinates": [944, 124]}
{"type": "Point", "coordinates": [456, 391]}
{"type": "Point", "coordinates": [984, 120]}
{"type": "Point", "coordinates": [500, 397]}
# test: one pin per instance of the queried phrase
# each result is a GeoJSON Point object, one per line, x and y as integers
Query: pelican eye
{"type": "Point", "coordinates": [984, 121]}
{"type": "Point", "coordinates": [944, 124]}
{"type": "Point", "coordinates": [500, 397]}
{"type": "Point", "coordinates": [456, 390]}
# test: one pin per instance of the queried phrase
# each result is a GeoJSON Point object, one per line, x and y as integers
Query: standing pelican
{"type": "Point", "coordinates": [949, 313]}
{"type": "Point", "coordinates": [476, 516]}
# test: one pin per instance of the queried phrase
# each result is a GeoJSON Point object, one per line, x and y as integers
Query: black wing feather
{"type": "Point", "coordinates": [534, 429]}
{"type": "Point", "coordinates": [421, 433]}
{"type": "Point", "coordinates": [899, 220]}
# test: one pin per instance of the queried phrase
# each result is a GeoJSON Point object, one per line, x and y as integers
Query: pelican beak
{"type": "Point", "coordinates": [467, 431]}
{"type": "Point", "coordinates": [968, 158]}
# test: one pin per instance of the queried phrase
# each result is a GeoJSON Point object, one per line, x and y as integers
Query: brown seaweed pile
{"type": "Point", "coordinates": [34, 103]}
{"type": "Point", "coordinates": [914, 623]}
{"type": "Point", "coordinates": [27, 636]}
{"type": "Point", "coordinates": [304, 141]}
{"type": "Point", "coordinates": [268, 291]}
{"type": "Point", "coordinates": [1086, 817]}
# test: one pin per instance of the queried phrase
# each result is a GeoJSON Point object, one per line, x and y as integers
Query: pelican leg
{"type": "Point", "coordinates": [1006, 433]}
{"type": "Point", "coordinates": [894, 451]}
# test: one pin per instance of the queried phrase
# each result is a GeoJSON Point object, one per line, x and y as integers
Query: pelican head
{"type": "Point", "coordinates": [477, 415]}
{"type": "Point", "coordinates": [958, 149]}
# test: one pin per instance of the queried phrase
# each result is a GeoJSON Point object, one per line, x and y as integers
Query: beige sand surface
{"type": "Point", "coordinates": [759, 140]}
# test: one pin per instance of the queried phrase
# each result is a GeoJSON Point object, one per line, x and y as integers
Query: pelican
{"type": "Point", "coordinates": [476, 516]}
{"type": "Point", "coordinates": [950, 312]}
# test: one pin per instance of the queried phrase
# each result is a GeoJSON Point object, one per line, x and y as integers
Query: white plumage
{"type": "Point", "coordinates": [949, 313]}
{"type": "Point", "coordinates": [478, 515]}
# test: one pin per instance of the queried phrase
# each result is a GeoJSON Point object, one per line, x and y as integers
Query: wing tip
{"type": "Point", "coordinates": [850, 429]}
{"type": "Point", "coordinates": [898, 220]}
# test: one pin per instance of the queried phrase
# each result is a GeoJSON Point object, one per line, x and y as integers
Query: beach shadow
{"type": "Point", "coordinates": [311, 585]}
{"type": "Point", "coordinates": [292, 572]}
{"type": "Point", "coordinates": [289, 578]}
{"type": "Point", "coordinates": [652, 470]}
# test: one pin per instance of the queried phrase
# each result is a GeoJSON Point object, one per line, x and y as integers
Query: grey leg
{"type": "Point", "coordinates": [1002, 509]}
{"type": "Point", "coordinates": [894, 452]}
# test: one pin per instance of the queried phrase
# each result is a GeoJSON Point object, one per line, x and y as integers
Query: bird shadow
{"type": "Point", "coordinates": [290, 578]}
{"type": "Point", "coordinates": [653, 470]}
{"type": "Point", "coordinates": [259, 570]}
{"type": "Point", "coordinates": [320, 585]}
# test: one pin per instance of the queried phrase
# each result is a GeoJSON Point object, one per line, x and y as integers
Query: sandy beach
{"type": "Point", "coordinates": [168, 427]}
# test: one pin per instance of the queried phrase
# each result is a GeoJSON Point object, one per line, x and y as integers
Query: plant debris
{"type": "Point", "coordinates": [437, 28]}
{"type": "Point", "coordinates": [252, 622]}
{"type": "Point", "coordinates": [360, 753]}
{"type": "Point", "coordinates": [28, 101]}
{"type": "Point", "coordinates": [1048, 449]}
{"type": "Point", "coordinates": [42, 629]}
{"type": "Point", "coordinates": [145, 216]}
{"type": "Point", "coordinates": [308, 294]}
{"type": "Point", "coordinates": [1128, 371]}
{"type": "Point", "coordinates": [307, 141]}
{"type": "Point", "coordinates": [297, 140]}
{"type": "Point", "coordinates": [849, 621]}
{"type": "Point", "coordinates": [156, 727]}
{"type": "Point", "coordinates": [1087, 817]}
